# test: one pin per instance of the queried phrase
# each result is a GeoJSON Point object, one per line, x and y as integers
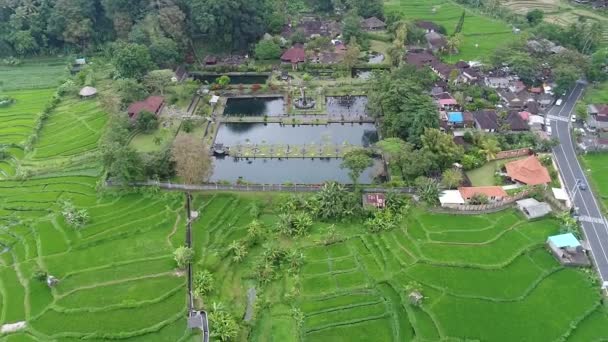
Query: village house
{"type": "Point", "coordinates": [312, 27]}
{"type": "Point", "coordinates": [435, 41]}
{"type": "Point", "coordinates": [373, 24]}
{"type": "Point", "coordinates": [153, 104]}
{"type": "Point", "coordinates": [420, 58]}
{"type": "Point", "coordinates": [533, 209]}
{"type": "Point", "coordinates": [568, 250]}
{"type": "Point", "coordinates": [497, 82]}
{"type": "Point", "coordinates": [486, 120]}
{"type": "Point", "coordinates": [428, 26]}
{"type": "Point", "coordinates": [489, 121]}
{"type": "Point", "coordinates": [598, 116]}
{"type": "Point", "coordinates": [494, 194]}
{"type": "Point", "coordinates": [528, 171]}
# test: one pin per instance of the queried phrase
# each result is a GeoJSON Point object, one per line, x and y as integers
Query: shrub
{"type": "Point", "coordinates": [203, 283]}
{"type": "Point", "coordinates": [479, 198]}
{"type": "Point", "coordinates": [267, 49]}
{"type": "Point", "coordinates": [6, 101]}
{"type": "Point", "coordinates": [76, 218]}
{"type": "Point", "coordinates": [188, 125]}
{"type": "Point", "coordinates": [183, 256]}
{"type": "Point", "coordinates": [224, 325]}
{"type": "Point", "coordinates": [146, 121]}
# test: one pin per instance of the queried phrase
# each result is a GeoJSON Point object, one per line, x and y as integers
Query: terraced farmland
{"type": "Point", "coordinates": [73, 128]}
{"type": "Point", "coordinates": [481, 34]}
{"type": "Point", "coordinates": [484, 278]}
{"type": "Point", "coordinates": [17, 123]}
{"type": "Point", "coordinates": [117, 276]}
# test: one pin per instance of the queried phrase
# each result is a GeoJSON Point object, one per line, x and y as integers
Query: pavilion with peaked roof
{"type": "Point", "coordinates": [294, 55]}
{"type": "Point", "coordinates": [528, 171]}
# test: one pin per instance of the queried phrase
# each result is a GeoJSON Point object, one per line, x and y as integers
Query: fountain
{"type": "Point", "coordinates": [303, 102]}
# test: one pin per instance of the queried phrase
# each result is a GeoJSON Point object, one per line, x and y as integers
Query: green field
{"type": "Point", "coordinates": [482, 35]}
{"type": "Point", "coordinates": [596, 166]}
{"type": "Point", "coordinates": [484, 278]}
{"type": "Point", "coordinates": [34, 73]}
{"type": "Point", "coordinates": [17, 123]}
{"type": "Point", "coordinates": [117, 276]}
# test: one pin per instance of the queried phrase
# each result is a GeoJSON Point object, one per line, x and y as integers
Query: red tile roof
{"type": "Point", "coordinates": [294, 54]}
{"type": "Point", "coordinates": [151, 104]}
{"type": "Point", "coordinates": [528, 171]}
{"type": "Point", "coordinates": [490, 191]}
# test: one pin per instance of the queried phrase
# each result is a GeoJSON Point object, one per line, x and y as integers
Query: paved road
{"type": "Point", "coordinates": [594, 226]}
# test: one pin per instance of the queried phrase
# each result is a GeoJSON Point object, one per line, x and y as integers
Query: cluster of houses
{"type": "Point", "coordinates": [314, 27]}
{"type": "Point", "coordinates": [523, 105]}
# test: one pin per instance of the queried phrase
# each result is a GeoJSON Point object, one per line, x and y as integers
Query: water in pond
{"type": "Point", "coordinates": [258, 106]}
{"type": "Point", "coordinates": [232, 134]}
{"type": "Point", "coordinates": [347, 106]}
{"type": "Point", "coordinates": [364, 74]}
{"type": "Point", "coordinates": [234, 79]}
{"type": "Point", "coordinates": [375, 58]}
{"type": "Point", "coordinates": [280, 171]}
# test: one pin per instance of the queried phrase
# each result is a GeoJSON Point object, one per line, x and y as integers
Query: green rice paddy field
{"type": "Point", "coordinates": [34, 73]}
{"type": "Point", "coordinates": [117, 276]}
{"type": "Point", "coordinates": [485, 278]}
{"type": "Point", "coordinates": [482, 35]}
{"type": "Point", "coordinates": [596, 166]}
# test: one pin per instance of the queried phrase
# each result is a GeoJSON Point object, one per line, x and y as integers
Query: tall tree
{"type": "Point", "coordinates": [73, 21]}
{"type": "Point", "coordinates": [192, 161]}
{"type": "Point", "coordinates": [236, 23]}
{"type": "Point", "coordinates": [401, 100]}
{"type": "Point", "coordinates": [460, 23]}
{"type": "Point", "coordinates": [356, 161]}
{"type": "Point", "coordinates": [443, 148]}
{"type": "Point", "coordinates": [352, 55]}
{"type": "Point", "coordinates": [132, 60]}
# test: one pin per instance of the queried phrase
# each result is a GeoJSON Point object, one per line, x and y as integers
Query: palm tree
{"type": "Point", "coordinates": [489, 147]}
{"type": "Point", "coordinates": [453, 43]}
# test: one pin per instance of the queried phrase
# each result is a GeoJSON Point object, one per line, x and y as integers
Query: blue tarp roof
{"type": "Point", "coordinates": [564, 240]}
{"type": "Point", "coordinates": [455, 117]}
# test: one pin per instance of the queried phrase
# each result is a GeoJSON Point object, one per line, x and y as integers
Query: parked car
{"type": "Point", "coordinates": [573, 118]}
{"type": "Point", "coordinates": [548, 130]}
{"type": "Point", "coordinates": [558, 102]}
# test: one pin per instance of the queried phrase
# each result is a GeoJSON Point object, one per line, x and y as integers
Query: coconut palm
{"type": "Point", "coordinates": [489, 147]}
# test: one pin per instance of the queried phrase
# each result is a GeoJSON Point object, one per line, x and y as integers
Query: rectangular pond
{"type": "Point", "coordinates": [255, 106]}
{"type": "Point", "coordinates": [234, 79]}
{"type": "Point", "coordinates": [347, 106]}
{"type": "Point", "coordinates": [231, 134]}
{"type": "Point", "coordinates": [292, 170]}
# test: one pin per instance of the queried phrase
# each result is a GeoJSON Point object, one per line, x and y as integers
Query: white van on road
{"type": "Point", "coordinates": [558, 102]}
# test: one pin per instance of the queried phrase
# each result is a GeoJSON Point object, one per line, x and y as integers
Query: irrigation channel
{"type": "Point", "coordinates": [272, 151]}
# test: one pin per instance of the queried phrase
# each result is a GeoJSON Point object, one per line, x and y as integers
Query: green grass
{"type": "Point", "coordinates": [33, 73]}
{"type": "Point", "coordinates": [147, 142]}
{"type": "Point", "coordinates": [597, 94]}
{"type": "Point", "coordinates": [481, 35]}
{"type": "Point", "coordinates": [596, 167]}
{"type": "Point", "coordinates": [484, 176]}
